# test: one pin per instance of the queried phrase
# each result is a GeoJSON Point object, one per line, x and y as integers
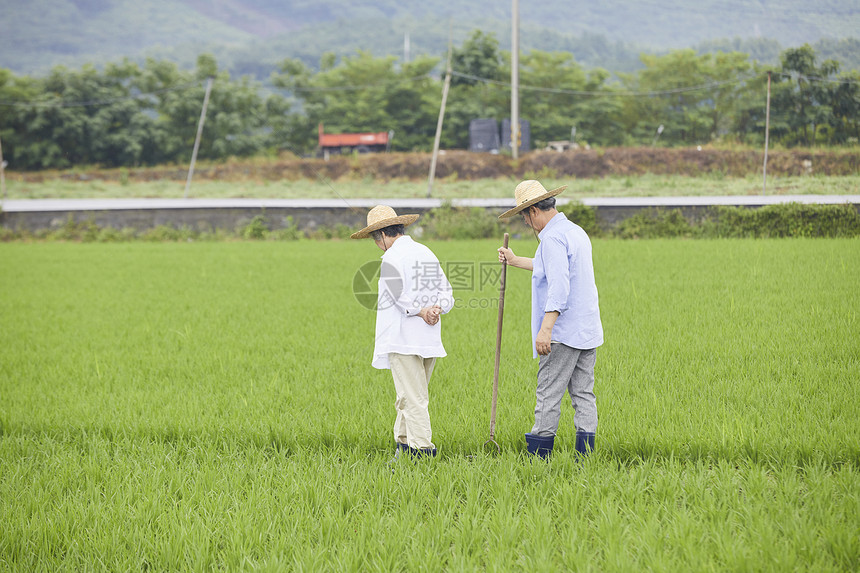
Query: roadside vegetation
{"type": "Point", "coordinates": [788, 220]}
{"type": "Point", "coordinates": [650, 185]}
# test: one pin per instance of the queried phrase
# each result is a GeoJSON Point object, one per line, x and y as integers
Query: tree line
{"type": "Point", "coordinates": [130, 115]}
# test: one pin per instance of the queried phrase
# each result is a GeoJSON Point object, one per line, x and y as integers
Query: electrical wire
{"type": "Point", "coordinates": [90, 103]}
{"type": "Point", "coordinates": [347, 87]}
{"type": "Point", "coordinates": [609, 93]}
{"type": "Point", "coordinates": [357, 87]}
{"type": "Point", "coordinates": [817, 78]}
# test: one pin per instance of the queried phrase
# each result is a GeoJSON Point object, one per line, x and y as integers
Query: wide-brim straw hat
{"type": "Point", "coordinates": [380, 217]}
{"type": "Point", "coordinates": [527, 194]}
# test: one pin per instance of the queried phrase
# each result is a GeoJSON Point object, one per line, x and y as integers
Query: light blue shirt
{"type": "Point", "coordinates": [563, 281]}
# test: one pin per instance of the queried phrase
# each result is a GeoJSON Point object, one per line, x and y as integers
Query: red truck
{"type": "Point", "coordinates": [337, 143]}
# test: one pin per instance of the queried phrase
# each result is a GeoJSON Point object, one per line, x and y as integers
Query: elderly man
{"type": "Point", "coordinates": [413, 294]}
{"type": "Point", "coordinates": [566, 327]}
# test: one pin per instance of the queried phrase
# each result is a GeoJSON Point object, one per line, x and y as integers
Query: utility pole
{"type": "Point", "coordinates": [447, 85]}
{"type": "Point", "coordinates": [406, 48]}
{"type": "Point", "coordinates": [657, 134]}
{"type": "Point", "coordinates": [2, 173]}
{"type": "Point", "coordinates": [199, 133]}
{"type": "Point", "coordinates": [766, 135]}
{"type": "Point", "coordinates": [515, 80]}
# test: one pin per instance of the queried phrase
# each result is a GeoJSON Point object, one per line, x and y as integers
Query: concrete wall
{"type": "Point", "coordinates": [307, 219]}
{"type": "Point", "coordinates": [227, 218]}
{"type": "Point", "coordinates": [309, 215]}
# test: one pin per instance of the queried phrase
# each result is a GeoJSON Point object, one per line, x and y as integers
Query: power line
{"type": "Point", "coordinates": [818, 78]}
{"type": "Point", "coordinates": [673, 91]}
{"type": "Point", "coordinates": [608, 93]}
{"type": "Point", "coordinates": [88, 103]}
{"type": "Point", "coordinates": [739, 7]}
{"type": "Point", "coordinates": [347, 87]}
{"type": "Point", "coordinates": [358, 87]}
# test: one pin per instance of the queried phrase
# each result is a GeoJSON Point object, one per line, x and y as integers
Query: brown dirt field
{"type": "Point", "coordinates": [582, 164]}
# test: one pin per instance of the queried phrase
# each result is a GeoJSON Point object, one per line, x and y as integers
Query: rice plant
{"type": "Point", "coordinates": [212, 405]}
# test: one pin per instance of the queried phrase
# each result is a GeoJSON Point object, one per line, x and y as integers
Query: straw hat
{"type": "Point", "coordinates": [527, 194]}
{"type": "Point", "coordinates": [380, 217]}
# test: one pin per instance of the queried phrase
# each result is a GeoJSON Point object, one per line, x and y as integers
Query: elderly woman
{"type": "Point", "coordinates": [413, 294]}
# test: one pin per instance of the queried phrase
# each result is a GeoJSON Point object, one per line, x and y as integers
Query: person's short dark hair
{"type": "Point", "coordinates": [546, 204]}
{"type": "Point", "coordinates": [389, 231]}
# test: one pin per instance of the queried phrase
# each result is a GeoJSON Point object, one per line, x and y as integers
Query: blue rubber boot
{"type": "Point", "coordinates": [401, 450]}
{"type": "Point", "coordinates": [584, 443]}
{"type": "Point", "coordinates": [419, 453]}
{"type": "Point", "coordinates": [540, 445]}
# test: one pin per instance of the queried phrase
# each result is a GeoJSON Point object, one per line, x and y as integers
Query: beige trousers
{"type": "Point", "coordinates": [411, 378]}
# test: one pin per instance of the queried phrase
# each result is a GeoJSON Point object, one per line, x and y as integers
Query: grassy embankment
{"type": "Point", "coordinates": [613, 186]}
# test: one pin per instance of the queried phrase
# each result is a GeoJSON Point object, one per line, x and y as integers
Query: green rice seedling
{"type": "Point", "coordinates": [197, 406]}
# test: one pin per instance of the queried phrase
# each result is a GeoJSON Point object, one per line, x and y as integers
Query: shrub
{"type": "Point", "coordinates": [257, 229]}
{"type": "Point", "coordinates": [654, 223]}
{"type": "Point", "coordinates": [449, 222]}
{"type": "Point", "coordinates": [339, 231]}
{"type": "Point", "coordinates": [86, 231]}
{"type": "Point", "coordinates": [7, 234]}
{"type": "Point", "coordinates": [544, 173]}
{"type": "Point", "coordinates": [166, 233]}
{"type": "Point", "coordinates": [111, 235]}
{"type": "Point", "coordinates": [584, 216]}
{"type": "Point", "coordinates": [785, 220]}
{"type": "Point", "coordinates": [290, 232]}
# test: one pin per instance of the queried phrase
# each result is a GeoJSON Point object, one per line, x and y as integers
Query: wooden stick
{"type": "Point", "coordinates": [498, 349]}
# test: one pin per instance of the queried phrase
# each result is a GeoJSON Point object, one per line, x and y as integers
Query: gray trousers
{"type": "Point", "coordinates": [570, 369]}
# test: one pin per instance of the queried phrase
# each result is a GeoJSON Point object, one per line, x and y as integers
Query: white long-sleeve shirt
{"type": "Point", "coordinates": [411, 278]}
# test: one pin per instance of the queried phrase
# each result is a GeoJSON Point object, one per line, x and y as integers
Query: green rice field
{"type": "Point", "coordinates": [207, 406]}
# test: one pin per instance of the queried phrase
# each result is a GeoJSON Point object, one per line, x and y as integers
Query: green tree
{"type": "Point", "coordinates": [690, 116]}
{"type": "Point", "coordinates": [551, 113]}
{"type": "Point", "coordinates": [748, 119]}
{"type": "Point", "coordinates": [362, 93]}
{"type": "Point", "coordinates": [127, 115]}
{"type": "Point", "coordinates": [470, 98]}
{"type": "Point", "coordinates": [547, 78]}
{"type": "Point", "coordinates": [237, 118]}
{"type": "Point", "coordinates": [479, 56]}
{"type": "Point", "coordinates": [16, 93]}
{"type": "Point", "coordinates": [82, 117]}
{"type": "Point", "coordinates": [298, 132]}
{"type": "Point", "coordinates": [845, 110]}
{"type": "Point", "coordinates": [802, 96]}
{"type": "Point", "coordinates": [561, 95]}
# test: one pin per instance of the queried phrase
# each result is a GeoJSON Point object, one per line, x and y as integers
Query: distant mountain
{"type": "Point", "coordinates": [252, 36]}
